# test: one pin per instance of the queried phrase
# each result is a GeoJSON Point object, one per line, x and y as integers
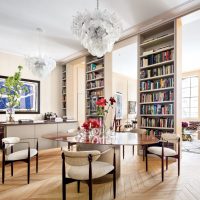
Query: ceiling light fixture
{"type": "Point", "coordinates": [97, 30]}
{"type": "Point", "coordinates": [40, 65]}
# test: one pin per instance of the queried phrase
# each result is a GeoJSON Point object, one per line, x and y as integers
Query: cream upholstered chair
{"type": "Point", "coordinates": [71, 133]}
{"type": "Point", "coordinates": [138, 131]}
{"type": "Point", "coordinates": [83, 166]}
{"type": "Point", "coordinates": [164, 151]}
{"type": "Point", "coordinates": [22, 155]}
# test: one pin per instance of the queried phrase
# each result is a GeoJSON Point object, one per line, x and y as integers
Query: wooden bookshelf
{"type": "Point", "coordinates": [64, 91]}
{"type": "Point", "coordinates": [94, 84]}
{"type": "Point", "coordinates": [157, 71]}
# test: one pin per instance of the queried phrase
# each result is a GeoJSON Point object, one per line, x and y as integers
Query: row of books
{"type": "Point", "coordinates": [157, 122]}
{"type": "Point", "coordinates": [98, 83]}
{"type": "Point", "coordinates": [156, 84]}
{"type": "Point", "coordinates": [157, 58]}
{"type": "Point", "coordinates": [94, 75]}
{"type": "Point", "coordinates": [159, 71]}
{"type": "Point", "coordinates": [93, 66]}
{"type": "Point", "coordinates": [157, 133]}
{"type": "Point", "coordinates": [98, 93]}
{"type": "Point", "coordinates": [157, 109]}
{"type": "Point", "coordinates": [157, 96]}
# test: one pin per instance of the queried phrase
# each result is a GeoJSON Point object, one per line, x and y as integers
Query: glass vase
{"type": "Point", "coordinates": [10, 114]}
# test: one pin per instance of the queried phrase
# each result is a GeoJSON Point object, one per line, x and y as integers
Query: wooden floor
{"type": "Point", "coordinates": [133, 184]}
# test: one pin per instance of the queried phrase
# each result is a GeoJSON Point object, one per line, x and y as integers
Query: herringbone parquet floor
{"type": "Point", "coordinates": [133, 184]}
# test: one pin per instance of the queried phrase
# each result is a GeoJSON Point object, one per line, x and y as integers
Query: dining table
{"type": "Point", "coordinates": [102, 143]}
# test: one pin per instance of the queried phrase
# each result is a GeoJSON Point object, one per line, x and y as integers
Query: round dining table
{"type": "Point", "coordinates": [116, 139]}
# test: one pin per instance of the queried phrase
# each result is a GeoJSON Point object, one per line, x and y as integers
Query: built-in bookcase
{"type": "Point", "coordinates": [157, 70]}
{"type": "Point", "coordinates": [64, 91]}
{"type": "Point", "coordinates": [94, 84]}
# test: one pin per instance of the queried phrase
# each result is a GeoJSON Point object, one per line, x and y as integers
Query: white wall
{"type": "Point", "coordinates": [128, 88]}
{"type": "Point", "coordinates": [50, 87]}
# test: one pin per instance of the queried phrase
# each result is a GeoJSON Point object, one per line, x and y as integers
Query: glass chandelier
{"type": "Point", "coordinates": [97, 30]}
{"type": "Point", "coordinates": [40, 65]}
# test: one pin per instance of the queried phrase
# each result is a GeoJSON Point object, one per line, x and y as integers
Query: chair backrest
{"type": "Point", "coordinates": [170, 137]}
{"type": "Point", "coordinates": [10, 141]}
{"type": "Point", "coordinates": [72, 132]}
{"type": "Point", "coordinates": [139, 131]}
{"type": "Point", "coordinates": [80, 158]}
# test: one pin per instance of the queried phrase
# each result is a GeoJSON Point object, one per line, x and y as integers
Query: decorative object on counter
{"type": "Point", "coordinates": [185, 136]}
{"type": "Point", "coordinates": [40, 65]}
{"type": "Point", "coordinates": [58, 119]}
{"type": "Point", "coordinates": [97, 30]}
{"type": "Point", "coordinates": [10, 92]}
{"type": "Point", "coordinates": [25, 121]}
{"type": "Point", "coordinates": [50, 116]}
{"type": "Point", "coordinates": [64, 118]}
{"type": "Point", "coordinates": [103, 107]}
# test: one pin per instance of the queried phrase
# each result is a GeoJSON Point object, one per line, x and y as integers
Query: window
{"type": "Point", "coordinates": [190, 87]}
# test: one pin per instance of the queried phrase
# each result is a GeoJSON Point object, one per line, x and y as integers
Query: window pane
{"type": "Point", "coordinates": [194, 102]}
{"type": "Point", "coordinates": [185, 82]}
{"type": "Point", "coordinates": [185, 112]}
{"type": "Point", "coordinates": [186, 92]}
{"type": "Point", "coordinates": [194, 81]}
{"type": "Point", "coordinates": [194, 92]}
{"type": "Point", "coordinates": [194, 115]}
{"type": "Point", "coordinates": [185, 102]}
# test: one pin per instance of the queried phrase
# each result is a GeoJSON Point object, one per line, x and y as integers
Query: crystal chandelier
{"type": "Point", "coordinates": [97, 30]}
{"type": "Point", "coordinates": [40, 65]}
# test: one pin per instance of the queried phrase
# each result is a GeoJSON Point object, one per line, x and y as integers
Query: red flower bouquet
{"type": "Point", "coordinates": [91, 123]}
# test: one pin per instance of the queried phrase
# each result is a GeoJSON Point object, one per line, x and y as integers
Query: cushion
{"type": "Point", "coordinates": [72, 132]}
{"type": "Point", "coordinates": [99, 169]}
{"type": "Point", "coordinates": [80, 158]}
{"type": "Point", "coordinates": [10, 141]}
{"type": "Point", "coordinates": [20, 155]}
{"type": "Point", "coordinates": [170, 137]}
{"type": "Point", "coordinates": [158, 151]}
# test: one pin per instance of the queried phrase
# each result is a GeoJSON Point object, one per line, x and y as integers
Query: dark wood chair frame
{"type": "Point", "coordinates": [89, 182]}
{"type": "Point", "coordinates": [4, 162]}
{"type": "Point", "coordinates": [164, 144]}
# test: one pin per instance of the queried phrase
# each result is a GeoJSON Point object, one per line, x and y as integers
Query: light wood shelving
{"type": "Point", "coordinates": [94, 84]}
{"type": "Point", "coordinates": [156, 61]}
{"type": "Point", "coordinates": [64, 91]}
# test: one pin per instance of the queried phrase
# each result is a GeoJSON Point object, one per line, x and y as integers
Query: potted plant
{"type": "Point", "coordinates": [12, 90]}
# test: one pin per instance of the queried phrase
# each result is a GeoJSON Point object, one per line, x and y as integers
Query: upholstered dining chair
{"type": "Point", "coordinates": [138, 131]}
{"type": "Point", "coordinates": [71, 133]}
{"type": "Point", "coordinates": [83, 166]}
{"type": "Point", "coordinates": [25, 155]}
{"type": "Point", "coordinates": [164, 151]}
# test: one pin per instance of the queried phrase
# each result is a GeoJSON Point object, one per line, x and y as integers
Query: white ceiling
{"type": "Point", "coordinates": [191, 42]}
{"type": "Point", "coordinates": [20, 18]}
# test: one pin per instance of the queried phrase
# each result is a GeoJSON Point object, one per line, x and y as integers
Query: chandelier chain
{"type": "Point", "coordinates": [97, 4]}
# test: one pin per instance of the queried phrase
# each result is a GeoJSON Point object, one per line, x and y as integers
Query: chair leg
{"type": "Point", "coordinates": [123, 151]}
{"type": "Point", "coordinates": [143, 153]}
{"type": "Point", "coordinates": [133, 150]}
{"type": "Point", "coordinates": [114, 183]}
{"type": "Point", "coordinates": [37, 163]}
{"type": "Point", "coordinates": [90, 189]}
{"type": "Point", "coordinates": [166, 163]}
{"type": "Point", "coordinates": [146, 155]}
{"type": "Point", "coordinates": [78, 186]}
{"type": "Point", "coordinates": [63, 190]}
{"type": "Point", "coordinates": [179, 164]}
{"type": "Point", "coordinates": [3, 172]}
{"type": "Point", "coordinates": [11, 169]}
{"type": "Point", "coordinates": [28, 171]}
{"type": "Point", "coordinates": [162, 168]}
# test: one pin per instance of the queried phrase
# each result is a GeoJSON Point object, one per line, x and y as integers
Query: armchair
{"type": "Point", "coordinates": [83, 166]}
{"type": "Point", "coordinates": [22, 155]}
{"type": "Point", "coordinates": [164, 151]}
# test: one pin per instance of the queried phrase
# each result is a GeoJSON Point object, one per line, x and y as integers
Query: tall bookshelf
{"type": "Point", "coordinates": [64, 90]}
{"type": "Point", "coordinates": [157, 84]}
{"type": "Point", "coordinates": [94, 84]}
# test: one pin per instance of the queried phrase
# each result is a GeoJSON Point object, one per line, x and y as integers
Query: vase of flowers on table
{"type": "Point", "coordinates": [185, 137]}
{"type": "Point", "coordinates": [91, 128]}
{"type": "Point", "coordinates": [103, 107]}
